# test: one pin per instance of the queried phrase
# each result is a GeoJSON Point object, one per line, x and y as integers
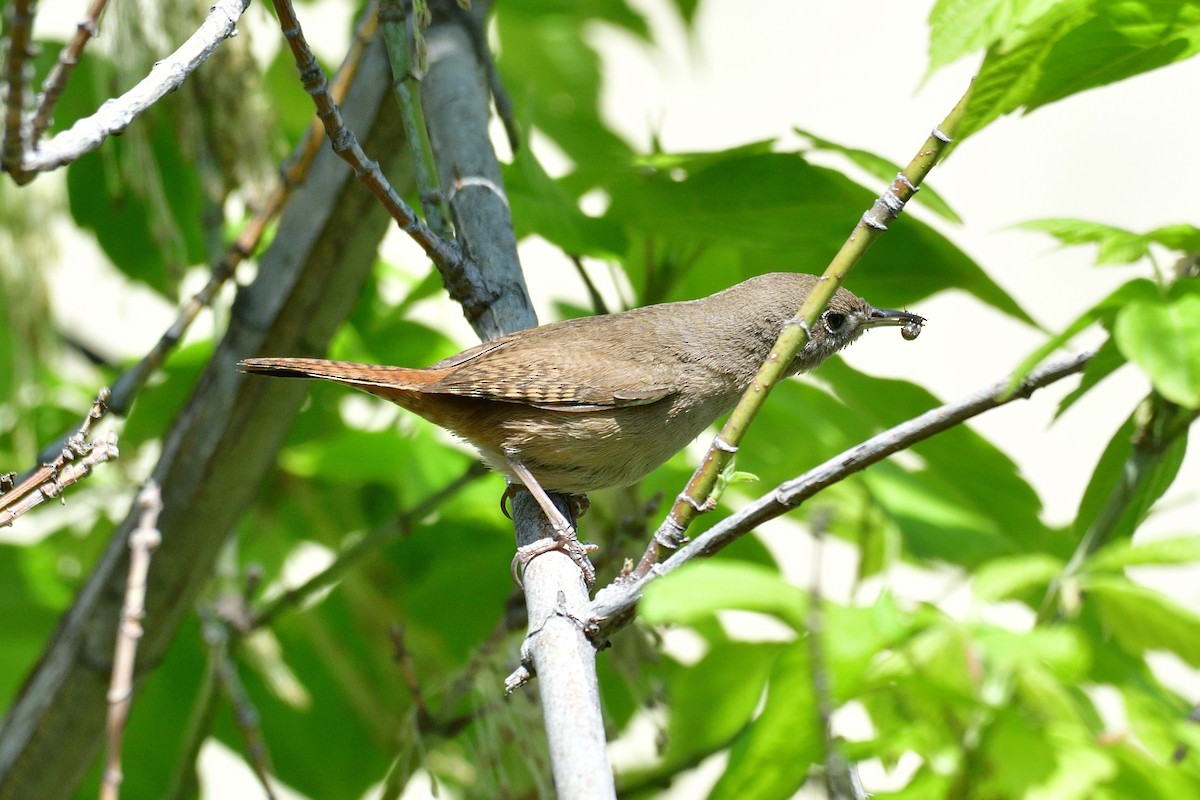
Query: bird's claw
{"type": "Point", "coordinates": [563, 540]}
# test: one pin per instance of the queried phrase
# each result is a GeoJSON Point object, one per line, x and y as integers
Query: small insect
{"type": "Point", "coordinates": [911, 329]}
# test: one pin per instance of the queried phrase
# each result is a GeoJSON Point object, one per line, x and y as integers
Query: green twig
{"type": "Point", "coordinates": [447, 255]}
{"type": "Point", "coordinates": [794, 336]}
{"type": "Point", "coordinates": [614, 605]}
{"type": "Point", "coordinates": [405, 47]}
{"type": "Point", "coordinates": [355, 553]}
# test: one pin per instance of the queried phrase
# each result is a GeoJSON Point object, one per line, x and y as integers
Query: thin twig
{"type": "Point", "coordinates": [115, 115]}
{"type": "Point", "coordinates": [48, 481]}
{"type": "Point", "coordinates": [447, 255]}
{"type": "Point", "coordinates": [841, 777]}
{"type": "Point", "coordinates": [400, 525]}
{"type": "Point", "coordinates": [216, 635]}
{"type": "Point", "coordinates": [614, 605]}
{"type": "Point", "coordinates": [68, 58]}
{"type": "Point", "coordinates": [403, 657]}
{"type": "Point", "coordinates": [142, 543]}
{"type": "Point", "coordinates": [17, 71]}
{"type": "Point", "coordinates": [794, 336]}
{"type": "Point", "coordinates": [598, 304]}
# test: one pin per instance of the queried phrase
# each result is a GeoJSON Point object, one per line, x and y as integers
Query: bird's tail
{"type": "Point", "coordinates": [377, 380]}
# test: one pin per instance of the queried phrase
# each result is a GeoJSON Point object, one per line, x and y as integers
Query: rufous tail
{"type": "Point", "coordinates": [364, 376]}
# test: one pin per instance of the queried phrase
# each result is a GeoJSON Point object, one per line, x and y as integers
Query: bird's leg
{"type": "Point", "coordinates": [564, 539]}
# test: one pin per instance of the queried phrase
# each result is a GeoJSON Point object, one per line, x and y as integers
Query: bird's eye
{"type": "Point", "coordinates": [834, 320]}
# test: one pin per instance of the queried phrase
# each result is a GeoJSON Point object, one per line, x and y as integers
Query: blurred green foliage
{"type": "Point", "coordinates": [972, 710]}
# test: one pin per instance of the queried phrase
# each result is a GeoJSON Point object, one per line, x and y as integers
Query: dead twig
{"type": "Point", "coordinates": [457, 269]}
{"type": "Point", "coordinates": [17, 69]}
{"type": "Point", "coordinates": [49, 480]}
{"type": "Point", "coordinates": [68, 58]}
{"type": "Point", "coordinates": [142, 543]}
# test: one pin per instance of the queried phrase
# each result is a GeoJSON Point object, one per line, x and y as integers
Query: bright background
{"type": "Point", "coordinates": [854, 73]}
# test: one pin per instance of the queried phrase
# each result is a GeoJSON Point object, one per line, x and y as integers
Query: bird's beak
{"type": "Point", "coordinates": [886, 317]}
{"type": "Point", "coordinates": [909, 324]}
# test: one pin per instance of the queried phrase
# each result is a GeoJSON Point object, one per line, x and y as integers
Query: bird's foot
{"type": "Point", "coordinates": [563, 540]}
{"type": "Point", "coordinates": [564, 537]}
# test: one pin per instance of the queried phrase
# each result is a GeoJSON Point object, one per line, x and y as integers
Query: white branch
{"type": "Point", "coordinates": [615, 604]}
{"type": "Point", "coordinates": [115, 114]}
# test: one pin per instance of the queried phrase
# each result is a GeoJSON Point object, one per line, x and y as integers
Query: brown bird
{"type": "Point", "coordinates": [602, 401]}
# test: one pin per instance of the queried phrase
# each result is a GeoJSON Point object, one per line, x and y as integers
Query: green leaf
{"type": "Point", "coordinates": [1012, 576]}
{"type": "Point", "coordinates": [1141, 619]}
{"type": "Point", "coordinates": [540, 206]}
{"type": "Point", "coordinates": [1111, 476]}
{"type": "Point", "coordinates": [1022, 757]}
{"type": "Point", "coordinates": [935, 526]}
{"type": "Point", "coordinates": [1108, 359]}
{"type": "Point", "coordinates": [855, 636]}
{"type": "Point", "coordinates": [767, 212]}
{"type": "Point", "coordinates": [23, 601]}
{"type": "Point", "coordinates": [1116, 245]}
{"type": "Point", "coordinates": [354, 457]}
{"type": "Point", "coordinates": [713, 699]}
{"type": "Point", "coordinates": [959, 27]}
{"type": "Point", "coordinates": [1131, 291]}
{"type": "Point", "coordinates": [885, 171]}
{"type": "Point", "coordinates": [149, 241]}
{"type": "Point", "coordinates": [772, 758]}
{"type": "Point", "coordinates": [1184, 238]}
{"type": "Point", "coordinates": [1117, 556]}
{"type": "Point", "coordinates": [1062, 650]}
{"type": "Point", "coordinates": [161, 399]}
{"type": "Point", "coordinates": [336, 657]}
{"type": "Point", "coordinates": [294, 112]}
{"type": "Point", "coordinates": [1078, 45]}
{"type": "Point", "coordinates": [697, 590]}
{"type": "Point", "coordinates": [383, 337]}
{"type": "Point", "coordinates": [1163, 338]}
{"type": "Point", "coordinates": [687, 10]}
{"type": "Point", "coordinates": [554, 74]}
{"type": "Point", "coordinates": [960, 467]}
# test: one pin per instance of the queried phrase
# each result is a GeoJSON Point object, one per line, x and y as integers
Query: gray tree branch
{"type": "Point", "coordinates": [615, 605]}
{"type": "Point", "coordinates": [457, 104]}
{"type": "Point", "coordinates": [214, 456]}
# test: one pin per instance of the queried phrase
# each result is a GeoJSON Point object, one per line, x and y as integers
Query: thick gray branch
{"type": "Point", "coordinates": [214, 456]}
{"type": "Point", "coordinates": [457, 105]}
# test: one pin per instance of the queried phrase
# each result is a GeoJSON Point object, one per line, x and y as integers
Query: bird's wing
{"type": "Point", "coordinates": [590, 372]}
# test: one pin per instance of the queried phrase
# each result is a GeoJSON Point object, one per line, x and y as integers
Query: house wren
{"type": "Point", "coordinates": [602, 401]}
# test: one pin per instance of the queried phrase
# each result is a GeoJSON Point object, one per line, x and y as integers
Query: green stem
{"type": "Point", "coordinates": [1163, 424]}
{"type": "Point", "coordinates": [402, 35]}
{"type": "Point", "coordinates": [794, 336]}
